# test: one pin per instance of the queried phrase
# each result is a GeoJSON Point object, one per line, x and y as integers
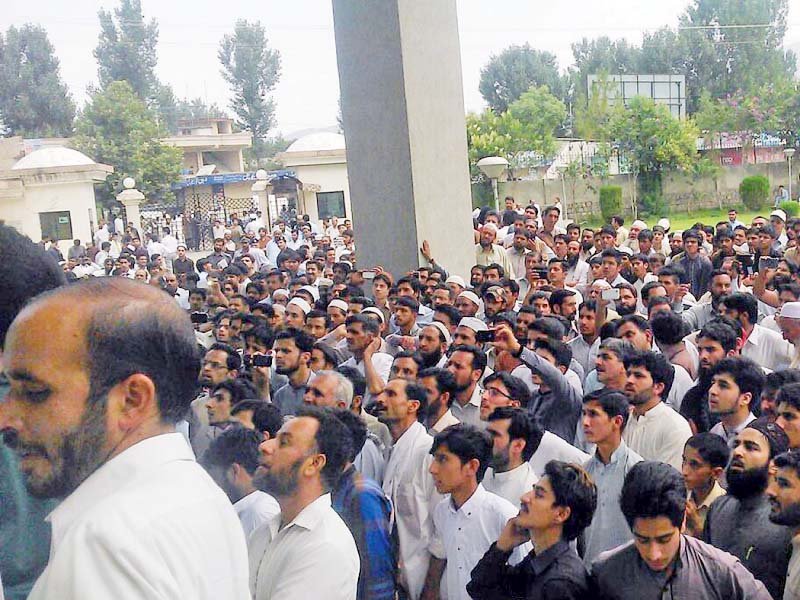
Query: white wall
{"type": "Point", "coordinates": [330, 178]}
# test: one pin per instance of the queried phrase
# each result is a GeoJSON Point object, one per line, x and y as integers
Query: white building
{"type": "Point", "coordinates": [669, 90]}
{"type": "Point", "coordinates": [50, 193]}
{"type": "Point", "coordinates": [319, 161]}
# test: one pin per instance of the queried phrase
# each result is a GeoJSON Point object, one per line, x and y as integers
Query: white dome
{"type": "Point", "coordinates": [318, 142]}
{"type": "Point", "coordinates": [51, 157]}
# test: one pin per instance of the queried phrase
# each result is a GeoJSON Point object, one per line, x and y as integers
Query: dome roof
{"type": "Point", "coordinates": [318, 142]}
{"type": "Point", "coordinates": [51, 157]}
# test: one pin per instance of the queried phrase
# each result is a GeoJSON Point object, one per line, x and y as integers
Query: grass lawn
{"type": "Point", "coordinates": [683, 220]}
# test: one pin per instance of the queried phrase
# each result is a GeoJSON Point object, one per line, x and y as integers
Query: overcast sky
{"type": "Point", "coordinates": [302, 30]}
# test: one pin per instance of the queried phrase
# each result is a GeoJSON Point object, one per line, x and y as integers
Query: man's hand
{"type": "Point", "coordinates": [408, 342]}
{"type": "Point", "coordinates": [426, 250]}
{"type": "Point", "coordinates": [504, 339]}
{"type": "Point", "coordinates": [512, 536]}
{"type": "Point", "coordinates": [373, 347]}
{"type": "Point", "coordinates": [681, 291]}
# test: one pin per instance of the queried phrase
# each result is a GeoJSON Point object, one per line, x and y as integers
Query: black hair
{"type": "Point", "coordinates": [26, 270]}
{"type": "Point", "coordinates": [720, 332]}
{"type": "Point", "coordinates": [711, 448]}
{"type": "Point", "coordinates": [239, 389]}
{"type": "Point", "coordinates": [668, 327]}
{"type": "Point", "coordinates": [638, 321]}
{"type": "Point", "coordinates": [266, 416]}
{"type": "Point", "coordinates": [369, 325]}
{"type": "Point", "coordinates": [412, 281]}
{"type": "Point", "coordinates": [445, 380]}
{"type": "Point", "coordinates": [497, 267]}
{"type": "Point", "coordinates": [614, 404]}
{"type": "Point", "coordinates": [328, 352]}
{"type": "Point", "coordinates": [558, 296]}
{"type": "Point", "coordinates": [235, 445]}
{"type": "Point", "coordinates": [611, 253]}
{"type": "Point", "coordinates": [789, 460]}
{"type": "Point", "coordinates": [517, 388]}
{"type": "Point", "coordinates": [671, 271]}
{"type": "Point", "coordinates": [261, 334]}
{"type": "Point", "coordinates": [357, 428]}
{"type": "Point", "coordinates": [790, 394]}
{"type": "Point", "coordinates": [523, 426]}
{"type": "Point", "coordinates": [645, 293]}
{"type": "Point", "coordinates": [590, 305]}
{"type": "Point", "coordinates": [549, 326]}
{"type": "Point", "coordinates": [742, 303]}
{"type": "Point", "coordinates": [407, 302]}
{"type": "Point", "coordinates": [451, 311]}
{"type": "Point", "coordinates": [561, 352]}
{"type": "Point", "coordinates": [573, 488]}
{"type": "Point", "coordinates": [478, 355]}
{"type": "Point", "coordinates": [748, 376]}
{"type": "Point", "coordinates": [655, 363]}
{"type": "Point", "coordinates": [333, 439]}
{"type": "Point", "coordinates": [302, 339]}
{"type": "Point", "coordinates": [415, 391]}
{"type": "Point", "coordinates": [645, 234]}
{"type": "Point", "coordinates": [467, 442]}
{"type": "Point", "coordinates": [651, 490]}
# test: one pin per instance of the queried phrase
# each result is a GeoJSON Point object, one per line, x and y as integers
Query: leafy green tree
{"type": "Point", "coordinates": [601, 55]}
{"type": "Point", "coordinates": [117, 128]}
{"type": "Point", "coordinates": [252, 69]}
{"type": "Point", "coordinates": [126, 49]}
{"type": "Point", "coordinates": [511, 73]}
{"type": "Point", "coordinates": [34, 102]}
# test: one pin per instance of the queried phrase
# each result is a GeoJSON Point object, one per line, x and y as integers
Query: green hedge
{"type": "Point", "coordinates": [754, 191]}
{"type": "Point", "coordinates": [610, 201]}
{"type": "Point", "coordinates": [790, 207]}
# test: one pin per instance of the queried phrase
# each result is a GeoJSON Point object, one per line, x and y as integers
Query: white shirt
{"type": "Point", "coordinates": [730, 436]}
{"type": "Point", "coordinates": [768, 349]}
{"type": "Point", "coordinates": [149, 523]}
{"type": "Point", "coordinates": [792, 589]}
{"type": "Point", "coordinates": [552, 447]}
{"type": "Point", "coordinates": [409, 485]}
{"type": "Point", "coordinates": [255, 509]}
{"type": "Point", "coordinates": [466, 534]}
{"type": "Point", "coordinates": [444, 422]}
{"type": "Point", "coordinates": [659, 434]}
{"type": "Point", "coordinates": [510, 484]}
{"type": "Point", "coordinates": [313, 556]}
{"type": "Point", "coordinates": [681, 384]}
{"type": "Point", "coordinates": [380, 360]}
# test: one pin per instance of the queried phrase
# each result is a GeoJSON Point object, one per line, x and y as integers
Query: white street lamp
{"type": "Point", "coordinates": [493, 167]}
{"type": "Point", "coordinates": [789, 153]}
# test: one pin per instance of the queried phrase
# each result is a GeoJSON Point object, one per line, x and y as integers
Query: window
{"type": "Point", "coordinates": [56, 225]}
{"type": "Point", "coordinates": [330, 204]}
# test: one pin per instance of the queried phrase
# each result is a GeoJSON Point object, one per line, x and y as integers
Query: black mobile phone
{"type": "Point", "coordinates": [768, 262]}
{"type": "Point", "coordinates": [262, 360]}
{"type": "Point", "coordinates": [482, 337]}
{"type": "Point", "coordinates": [199, 317]}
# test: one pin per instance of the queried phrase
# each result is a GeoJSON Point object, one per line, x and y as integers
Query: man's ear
{"type": "Point", "coordinates": [133, 401]}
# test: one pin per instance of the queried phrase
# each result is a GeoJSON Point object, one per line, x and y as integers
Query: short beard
{"type": "Point", "coordinates": [431, 360]}
{"type": "Point", "coordinates": [572, 261]}
{"type": "Point", "coordinates": [623, 310]}
{"type": "Point", "coordinates": [287, 370]}
{"type": "Point", "coordinates": [789, 516]}
{"type": "Point", "coordinates": [748, 483]}
{"type": "Point", "coordinates": [640, 398]}
{"type": "Point", "coordinates": [281, 485]}
{"type": "Point", "coordinates": [500, 463]}
{"type": "Point", "coordinates": [80, 452]}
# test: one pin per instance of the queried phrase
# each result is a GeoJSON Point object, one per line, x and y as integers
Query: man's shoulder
{"type": "Point", "coordinates": [611, 563]}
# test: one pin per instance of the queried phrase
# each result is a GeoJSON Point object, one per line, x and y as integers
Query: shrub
{"type": "Point", "coordinates": [654, 205]}
{"type": "Point", "coordinates": [790, 207]}
{"type": "Point", "coordinates": [754, 191]}
{"type": "Point", "coordinates": [610, 201]}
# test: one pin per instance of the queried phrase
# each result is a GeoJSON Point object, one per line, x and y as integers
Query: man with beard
{"type": "Point", "coordinates": [717, 340]}
{"type": "Point", "coordinates": [519, 250]}
{"type": "Point", "coordinates": [488, 253]}
{"type": "Point", "coordinates": [515, 437]}
{"type": "Point", "coordinates": [739, 522]}
{"type": "Point", "coordinates": [467, 363]}
{"type": "Point", "coordinates": [702, 312]}
{"type": "Point", "coordinates": [577, 268]}
{"type": "Point", "coordinates": [407, 482]}
{"type": "Point", "coordinates": [307, 551]}
{"type": "Point", "coordinates": [736, 384]}
{"type": "Point", "coordinates": [440, 385]}
{"type": "Point", "coordinates": [628, 300]}
{"type": "Point", "coordinates": [432, 346]}
{"type": "Point", "coordinates": [783, 492]}
{"type": "Point", "coordinates": [292, 350]}
{"type": "Point", "coordinates": [231, 460]}
{"type": "Point", "coordinates": [100, 372]}
{"type": "Point", "coordinates": [654, 431]}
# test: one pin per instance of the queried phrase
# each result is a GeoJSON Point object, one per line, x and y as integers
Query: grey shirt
{"type": "Point", "coordinates": [742, 527]}
{"type": "Point", "coordinates": [289, 398]}
{"type": "Point", "coordinates": [702, 572]}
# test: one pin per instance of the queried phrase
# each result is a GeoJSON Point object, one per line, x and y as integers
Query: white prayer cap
{"type": "Point", "coordinates": [457, 279]}
{"type": "Point", "coordinates": [304, 306]}
{"type": "Point", "coordinates": [473, 323]}
{"type": "Point", "coordinates": [374, 310]}
{"type": "Point", "coordinates": [471, 296]}
{"type": "Point", "coordinates": [280, 292]}
{"type": "Point", "coordinates": [664, 223]}
{"type": "Point", "coordinates": [340, 304]}
{"type": "Point", "coordinates": [639, 224]}
{"type": "Point", "coordinates": [442, 329]}
{"type": "Point", "coordinates": [790, 310]}
{"type": "Point", "coordinates": [279, 308]}
{"type": "Point", "coordinates": [311, 290]}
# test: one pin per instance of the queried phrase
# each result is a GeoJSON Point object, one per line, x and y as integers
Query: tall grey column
{"type": "Point", "coordinates": [403, 115]}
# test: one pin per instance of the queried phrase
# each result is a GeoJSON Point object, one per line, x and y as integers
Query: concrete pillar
{"type": "Point", "coordinates": [403, 114]}
{"type": "Point", "coordinates": [131, 199]}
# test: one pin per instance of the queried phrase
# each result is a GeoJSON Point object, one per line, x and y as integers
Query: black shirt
{"type": "Point", "coordinates": [555, 574]}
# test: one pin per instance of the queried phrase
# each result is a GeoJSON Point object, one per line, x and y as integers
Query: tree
{"type": "Point", "coordinates": [126, 49]}
{"type": "Point", "coordinates": [525, 129]}
{"type": "Point", "coordinates": [511, 73]}
{"type": "Point", "coordinates": [34, 102]}
{"type": "Point", "coordinates": [117, 128]}
{"type": "Point", "coordinates": [601, 55]}
{"type": "Point", "coordinates": [252, 69]}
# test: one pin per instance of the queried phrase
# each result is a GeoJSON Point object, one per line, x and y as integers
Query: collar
{"type": "Point", "coordinates": [715, 493]}
{"type": "Point", "coordinates": [620, 454]}
{"type": "Point", "coordinates": [475, 398]}
{"type": "Point", "coordinates": [246, 502]}
{"type": "Point", "coordinates": [754, 336]}
{"type": "Point", "coordinates": [123, 470]}
{"type": "Point", "coordinates": [445, 421]}
{"type": "Point", "coordinates": [541, 562]}
{"type": "Point", "coordinates": [729, 434]}
{"type": "Point", "coordinates": [308, 518]}
{"type": "Point", "coordinates": [472, 503]}
{"type": "Point", "coordinates": [520, 471]}
{"type": "Point", "coordinates": [409, 436]}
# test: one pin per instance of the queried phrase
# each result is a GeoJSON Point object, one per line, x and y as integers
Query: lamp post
{"type": "Point", "coordinates": [493, 167]}
{"type": "Point", "coordinates": [789, 153]}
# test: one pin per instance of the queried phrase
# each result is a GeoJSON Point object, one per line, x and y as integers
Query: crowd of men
{"type": "Point", "coordinates": [589, 413]}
